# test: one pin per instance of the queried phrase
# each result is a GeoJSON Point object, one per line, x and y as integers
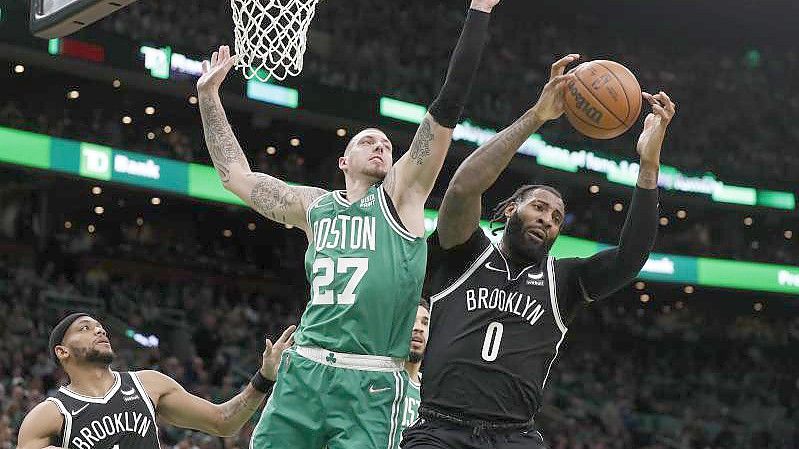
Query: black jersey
{"type": "Point", "coordinates": [494, 335]}
{"type": "Point", "coordinates": [123, 419]}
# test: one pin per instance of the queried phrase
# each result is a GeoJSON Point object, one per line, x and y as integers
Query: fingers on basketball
{"type": "Point", "coordinates": [560, 65]}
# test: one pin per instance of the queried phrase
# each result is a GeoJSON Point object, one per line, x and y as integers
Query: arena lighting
{"type": "Point", "coordinates": [127, 120]}
{"type": "Point", "coordinates": [640, 285]}
{"type": "Point", "coordinates": [645, 298]}
{"type": "Point", "coordinates": [618, 207]}
{"type": "Point", "coordinates": [151, 135]}
{"type": "Point", "coordinates": [251, 226]}
{"type": "Point", "coordinates": [116, 83]}
{"type": "Point", "coordinates": [664, 221]}
{"type": "Point", "coordinates": [341, 132]}
{"type": "Point", "coordinates": [99, 210]}
{"type": "Point", "coordinates": [68, 225]}
{"type": "Point", "coordinates": [73, 94]}
{"type": "Point", "coordinates": [594, 189]}
{"type": "Point", "coordinates": [748, 221]}
{"type": "Point", "coordinates": [688, 289]}
{"type": "Point", "coordinates": [192, 100]}
{"type": "Point", "coordinates": [271, 150]}
{"type": "Point", "coordinates": [139, 221]}
{"type": "Point", "coordinates": [19, 68]}
{"type": "Point", "coordinates": [148, 341]}
{"type": "Point", "coordinates": [788, 234]}
{"type": "Point", "coordinates": [679, 305]}
{"type": "Point", "coordinates": [681, 214]}
{"type": "Point", "coordinates": [227, 233]}
{"type": "Point", "coordinates": [97, 190]}
{"type": "Point", "coordinates": [167, 129]}
{"type": "Point", "coordinates": [155, 201]}
{"type": "Point", "coordinates": [149, 110]}
{"type": "Point", "coordinates": [91, 229]}
{"type": "Point", "coordinates": [295, 142]}
{"type": "Point", "coordinates": [758, 306]}
{"type": "Point", "coordinates": [161, 176]}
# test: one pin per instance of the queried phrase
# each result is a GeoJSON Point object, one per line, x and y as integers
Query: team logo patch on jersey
{"type": "Point", "coordinates": [368, 201]}
{"type": "Point", "coordinates": [536, 279]}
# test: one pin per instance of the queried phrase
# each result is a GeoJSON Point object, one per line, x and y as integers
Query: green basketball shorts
{"type": "Point", "coordinates": [334, 400]}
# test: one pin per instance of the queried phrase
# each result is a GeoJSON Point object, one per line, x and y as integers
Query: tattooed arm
{"type": "Point", "coordinates": [460, 211]}
{"type": "Point", "coordinates": [181, 409]}
{"type": "Point", "coordinates": [411, 180]}
{"type": "Point", "coordinates": [268, 195]}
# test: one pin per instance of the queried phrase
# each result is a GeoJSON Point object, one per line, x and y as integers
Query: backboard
{"type": "Point", "coordinates": [57, 18]}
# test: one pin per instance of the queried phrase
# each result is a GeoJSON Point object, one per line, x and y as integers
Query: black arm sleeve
{"type": "Point", "coordinates": [448, 106]}
{"type": "Point", "coordinates": [607, 271]}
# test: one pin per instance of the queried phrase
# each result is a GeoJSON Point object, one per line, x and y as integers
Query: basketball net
{"type": "Point", "coordinates": [271, 35]}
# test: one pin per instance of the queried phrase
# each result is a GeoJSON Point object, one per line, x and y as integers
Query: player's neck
{"type": "Point", "coordinates": [413, 370]}
{"type": "Point", "coordinates": [357, 187]}
{"type": "Point", "coordinates": [516, 261]}
{"type": "Point", "coordinates": [93, 381]}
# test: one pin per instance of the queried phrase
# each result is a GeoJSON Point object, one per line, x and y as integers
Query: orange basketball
{"type": "Point", "coordinates": [604, 100]}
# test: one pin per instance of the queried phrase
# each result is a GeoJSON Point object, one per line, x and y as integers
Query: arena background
{"type": "Point", "coordinates": [108, 203]}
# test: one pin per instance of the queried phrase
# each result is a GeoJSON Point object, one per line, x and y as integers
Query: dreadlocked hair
{"type": "Point", "coordinates": [498, 214]}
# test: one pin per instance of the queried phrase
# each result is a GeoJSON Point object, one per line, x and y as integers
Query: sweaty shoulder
{"type": "Point", "coordinates": [446, 265]}
{"type": "Point", "coordinates": [41, 424]}
{"type": "Point", "coordinates": [155, 384]}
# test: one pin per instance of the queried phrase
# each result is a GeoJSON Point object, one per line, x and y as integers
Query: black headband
{"type": "Point", "coordinates": [58, 332]}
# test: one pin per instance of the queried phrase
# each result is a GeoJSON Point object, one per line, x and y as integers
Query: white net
{"type": "Point", "coordinates": [270, 36]}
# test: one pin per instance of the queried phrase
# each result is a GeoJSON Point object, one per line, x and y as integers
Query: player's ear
{"type": "Point", "coordinates": [61, 352]}
{"type": "Point", "coordinates": [510, 209]}
{"type": "Point", "coordinates": [342, 163]}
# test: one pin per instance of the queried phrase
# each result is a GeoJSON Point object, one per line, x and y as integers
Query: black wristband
{"type": "Point", "coordinates": [261, 383]}
{"type": "Point", "coordinates": [448, 106]}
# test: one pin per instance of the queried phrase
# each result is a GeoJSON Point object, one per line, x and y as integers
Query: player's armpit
{"type": "Point", "coordinates": [413, 176]}
{"type": "Point", "coordinates": [274, 198]}
{"type": "Point", "coordinates": [40, 426]}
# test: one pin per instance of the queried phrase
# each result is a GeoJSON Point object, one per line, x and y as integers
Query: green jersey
{"type": "Point", "coordinates": [366, 272]}
{"type": "Point", "coordinates": [410, 406]}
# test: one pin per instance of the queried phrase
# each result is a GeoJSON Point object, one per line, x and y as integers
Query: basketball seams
{"type": "Point", "coordinates": [626, 94]}
{"type": "Point", "coordinates": [621, 122]}
{"type": "Point", "coordinates": [576, 114]}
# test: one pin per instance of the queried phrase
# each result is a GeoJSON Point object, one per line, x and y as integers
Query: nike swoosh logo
{"type": "Point", "coordinates": [128, 392]}
{"type": "Point", "coordinates": [75, 412]}
{"type": "Point", "coordinates": [536, 276]}
{"type": "Point", "coordinates": [374, 390]}
{"type": "Point", "coordinates": [488, 265]}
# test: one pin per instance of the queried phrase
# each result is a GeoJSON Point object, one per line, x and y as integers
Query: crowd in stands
{"type": "Point", "coordinates": [664, 375]}
{"type": "Point", "coordinates": [402, 50]}
{"type": "Point", "coordinates": [96, 116]}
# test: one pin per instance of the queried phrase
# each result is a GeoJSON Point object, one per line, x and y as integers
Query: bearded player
{"type": "Point", "coordinates": [497, 311]}
{"type": "Point", "coordinates": [343, 385]}
{"type": "Point", "coordinates": [105, 409]}
{"type": "Point", "coordinates": [421, 327]}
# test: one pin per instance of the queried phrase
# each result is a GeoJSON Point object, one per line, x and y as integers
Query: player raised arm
{"type": "Point", "coordinates": [460, 211]}
{"type": "Point", "coordinates": [181, 409]}
{"type": "Point", "coordinates": [609, 270]}
{"type": "Point", "coordinates": [411, 180]}
{"type": "Point", "coordinates": [268, 195]}
{"type": "Point", "coordinates": [40, 426]}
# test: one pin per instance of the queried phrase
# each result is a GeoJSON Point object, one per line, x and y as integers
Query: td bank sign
{"type": "Point", "coordinates": [100, 162]}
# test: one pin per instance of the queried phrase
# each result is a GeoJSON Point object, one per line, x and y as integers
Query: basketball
{"type": "Point", "coordinates": [604, 100]}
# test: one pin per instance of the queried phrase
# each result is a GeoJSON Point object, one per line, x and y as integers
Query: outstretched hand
{"type": "Point", "coordinates": [550, 104]}
{"type": "Point", "coordinates": [655, 124]}
{"type": "Point", "coordinates": [272, 353]}
{"type": "Point", "coordinates": [484, 5]}
{"type": "Point", "coordinates": [214, 73]}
